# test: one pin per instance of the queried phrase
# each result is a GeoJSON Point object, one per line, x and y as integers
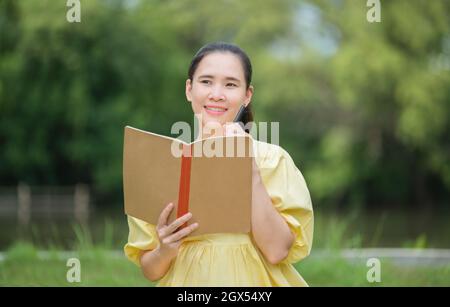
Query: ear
{"type": "Point", "coordinates": [188, 90]}
{"type": "Point", "coordinates": [248, 95]}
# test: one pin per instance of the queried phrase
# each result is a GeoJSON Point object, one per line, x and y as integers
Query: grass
{"type": "Point", "coordinates": [336, 271]}
{"type": "Point", "coordinates": [23, 267]}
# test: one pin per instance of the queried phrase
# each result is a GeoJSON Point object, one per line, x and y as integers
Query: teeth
{"type": "Point", "coordinates": [216, 109]}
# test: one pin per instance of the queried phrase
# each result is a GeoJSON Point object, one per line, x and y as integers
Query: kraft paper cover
{"type": "Point", "coordinates": [220, 187]}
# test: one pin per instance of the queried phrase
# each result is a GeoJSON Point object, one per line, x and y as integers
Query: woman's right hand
{"type": "Point", "coordinates": [170, 239]}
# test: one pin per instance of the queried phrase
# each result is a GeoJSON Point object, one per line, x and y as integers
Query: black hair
{"type": "Point", "coordinates": [246, 65]}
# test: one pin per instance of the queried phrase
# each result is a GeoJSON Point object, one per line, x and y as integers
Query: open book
{"type": "Point", "coordinates": [211, 178]}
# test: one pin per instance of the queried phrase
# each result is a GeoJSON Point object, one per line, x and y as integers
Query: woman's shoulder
{"type": "Point", "coordinates": [269, 155]}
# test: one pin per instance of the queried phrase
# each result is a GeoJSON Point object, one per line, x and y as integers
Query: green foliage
{"type": "Point", "coordinates": [419, 243]}
{"type": "Point", "coordinates": [22, 251]}
{"type": "Point", "coordinates": [391, 93]}
{"type": "Point", "coordinates": [363, 107]}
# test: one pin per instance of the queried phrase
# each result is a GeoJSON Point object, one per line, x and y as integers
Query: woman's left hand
{"type": "Point", "coordinates": [231, 129]}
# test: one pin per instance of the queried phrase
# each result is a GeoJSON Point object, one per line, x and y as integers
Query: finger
{"type": "Point", "coordinates": [180, 234]}
{"type": "Point", "coordinates": [168, 230]}
{"type": "Point", "coordinates": [162, 220]}
{"type": "Point", "coordinates": [178, 222]}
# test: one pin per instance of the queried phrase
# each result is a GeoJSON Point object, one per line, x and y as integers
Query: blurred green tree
{"type": "Point", "coordinates": [391, 83]}
{"type": "Point", "coordinates": [363, 107]}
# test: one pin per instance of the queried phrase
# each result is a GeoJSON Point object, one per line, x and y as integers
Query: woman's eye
{"type": "Point", "coordinates": [206, 81]}
{"type": "Point", "coordinates": [231, 85]}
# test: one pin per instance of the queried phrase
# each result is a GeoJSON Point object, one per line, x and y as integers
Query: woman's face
{"type": "Point", "coordinates": [218, 88]}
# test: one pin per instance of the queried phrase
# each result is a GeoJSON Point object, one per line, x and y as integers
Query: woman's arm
{"type": "Point", "coordinates": [270, 230]}
{"type": "Point", "coordinates": [155, 263]}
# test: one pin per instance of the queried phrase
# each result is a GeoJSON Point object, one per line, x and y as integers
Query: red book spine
{"type": "Point", "coordinates": [185, 179]}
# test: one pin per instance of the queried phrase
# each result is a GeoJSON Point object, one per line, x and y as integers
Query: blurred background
{"type": "Point", "coordinates": [364, 110]}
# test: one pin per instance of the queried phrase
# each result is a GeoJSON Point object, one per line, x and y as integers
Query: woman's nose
{"type": "Point", "coordinates": [216, 94]}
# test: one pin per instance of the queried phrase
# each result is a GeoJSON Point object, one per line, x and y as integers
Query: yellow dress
{"type": "Point", "coordinates": [233, 259]}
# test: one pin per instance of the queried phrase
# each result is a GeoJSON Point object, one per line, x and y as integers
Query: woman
{"type": "Point", "coordinates": [219, 82]}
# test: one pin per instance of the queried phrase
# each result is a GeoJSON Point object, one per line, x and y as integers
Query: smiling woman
{"type": "Point", "coordinates": [218, 84]}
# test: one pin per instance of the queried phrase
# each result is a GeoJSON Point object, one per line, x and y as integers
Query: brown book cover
{"type": "Point", "coordinates": [211, 178]}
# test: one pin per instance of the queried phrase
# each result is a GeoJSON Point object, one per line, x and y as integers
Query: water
{"type": "Point", "coordinates": [338, 229]}
{"type": "Point", "coordinates": [387, 228]}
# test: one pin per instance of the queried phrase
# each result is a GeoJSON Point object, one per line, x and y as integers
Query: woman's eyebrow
{"type": "Point", "coordinates": [206, 77]}
{"type": "Point", "coordinates": [212, 77]}
{"type": "Point", "coordinates": [233, 79]}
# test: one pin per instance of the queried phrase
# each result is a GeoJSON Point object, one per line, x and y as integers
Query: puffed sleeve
{"type": "Point", "coordinates": [290, 196]}
{"type": "Point", "coordinates": [142, 237]}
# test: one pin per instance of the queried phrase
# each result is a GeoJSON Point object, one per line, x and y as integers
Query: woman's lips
{"type": "Point", "coordinates": [215, 110]}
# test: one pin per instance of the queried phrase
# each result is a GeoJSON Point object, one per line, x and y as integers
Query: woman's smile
{"type": "Point", "coordinates": [215, 110]}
